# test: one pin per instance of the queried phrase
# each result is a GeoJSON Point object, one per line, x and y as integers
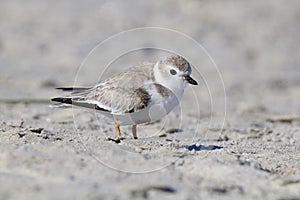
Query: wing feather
{"type": "Point", "coordinates": [122, 93]}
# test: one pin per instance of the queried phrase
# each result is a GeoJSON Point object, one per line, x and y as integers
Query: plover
{"type": "Point", "coordinates": [143, 93]}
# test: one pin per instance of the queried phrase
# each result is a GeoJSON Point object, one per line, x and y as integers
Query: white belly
{"type": "Point", "coordinates": [158, 107]}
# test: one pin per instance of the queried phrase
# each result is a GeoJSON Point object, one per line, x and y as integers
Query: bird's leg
{"type": "Point", "coordinates": [117, 127]}
{"type": "Point", "coordinates": [134, 131]}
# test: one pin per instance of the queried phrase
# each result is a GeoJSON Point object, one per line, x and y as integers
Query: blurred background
{"type": "Point", "coordinates": [256, 47]}
{"type": "Point", "coordinates": [255, 44]}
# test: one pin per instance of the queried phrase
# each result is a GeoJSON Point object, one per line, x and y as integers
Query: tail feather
{"type": "Point", "coordinates": [73, 89]}
{"type": "Point", "coordinates": [69, 100]}
{"type": "Point", "coordinates": [62, 100]}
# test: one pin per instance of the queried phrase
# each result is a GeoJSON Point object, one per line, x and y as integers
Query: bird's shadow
{"type": "Point", "coordinates": [202, 147]}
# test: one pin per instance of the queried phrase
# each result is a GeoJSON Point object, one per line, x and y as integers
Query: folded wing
{"type": "Point", "coordinates": [123, 93]}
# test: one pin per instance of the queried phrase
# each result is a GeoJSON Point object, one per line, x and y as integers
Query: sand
{"type": "Point", "coordinates": [231, 141]}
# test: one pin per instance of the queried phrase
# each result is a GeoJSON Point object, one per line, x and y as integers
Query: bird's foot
{"type": "Point", "coordinates": [116, 140]}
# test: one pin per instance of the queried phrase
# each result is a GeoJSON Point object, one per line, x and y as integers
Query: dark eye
{"type": "Point", "coordinates": [173, 72]}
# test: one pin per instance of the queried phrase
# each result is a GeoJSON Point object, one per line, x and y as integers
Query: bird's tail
{"type": "Point", "coordinates": [66, 100]}
{"type": "Point", "coordinates": [77, 93]}
{"type": "Point", "coordinates": [77, 101]}
{"type": "Point", "coordinates": [74, 90]}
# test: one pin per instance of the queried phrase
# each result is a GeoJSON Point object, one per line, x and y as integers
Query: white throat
{"type": "Point", "coordinates": [175, 85]}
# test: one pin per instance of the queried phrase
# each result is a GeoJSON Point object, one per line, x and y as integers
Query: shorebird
{"type": "Point", "coordinates": [143, 93]}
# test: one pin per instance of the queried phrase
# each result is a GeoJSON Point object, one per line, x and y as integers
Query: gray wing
{"type": "Point", "coordinates": [122, 93]}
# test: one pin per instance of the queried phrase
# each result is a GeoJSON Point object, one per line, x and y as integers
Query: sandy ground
{"type": "Point", "coordinates": [51, 153]}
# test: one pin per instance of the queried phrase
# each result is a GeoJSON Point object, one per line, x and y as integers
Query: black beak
{"type": "Point", "coordinates": [190, 80]}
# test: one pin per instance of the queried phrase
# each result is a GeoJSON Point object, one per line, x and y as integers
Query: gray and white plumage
{"type": "Point", "coordinates": [143, 93]}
